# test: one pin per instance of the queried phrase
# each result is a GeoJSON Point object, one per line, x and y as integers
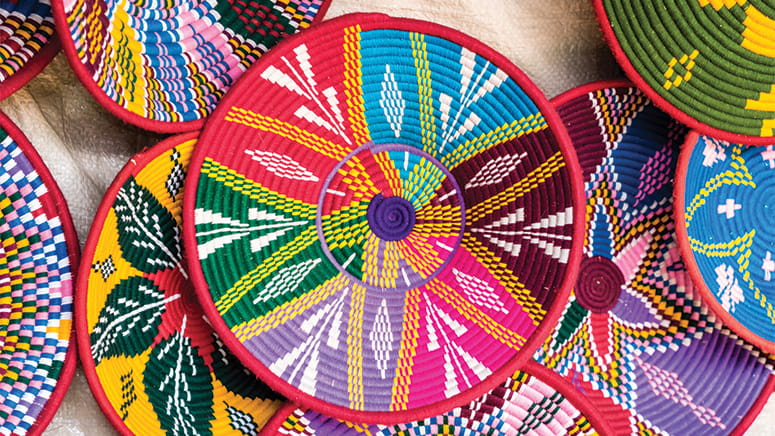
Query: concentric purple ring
{"type": "Point", "coordinates": [391, 206]}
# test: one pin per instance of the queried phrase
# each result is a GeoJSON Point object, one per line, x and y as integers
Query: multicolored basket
{"type": "Point", "coordinates": [725, 198]}
{"type": "Point", "coordinates": [153, 362]}
{"type": "Point", "coordinates": [37, 251]}
{"type": "Point", "coordinates": [534, 401]}
{"type": "Point", "coordinates": [708, 63]}
{"type": "Point", "coordinates": [383, 219]}
{"type": "Point", "coordinates": [164, 65]}
{"type": "Point", "coordinates": [27, 42]}
{"type": "Point", "coordinates": [635, 338]}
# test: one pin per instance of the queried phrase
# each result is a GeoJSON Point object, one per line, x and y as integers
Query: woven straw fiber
{"type": "Point", "coordinates": [164, 65]}
{"type": "Point", "coordinates": [381, 222]}
{"type": "Point", "coordinates": [153, 362]}
{"type": "Point", "coordinates": [709, 63]}
{"type": "Point", "coordinates": [27, 42]}
{"type": "Point", "coordinates": [636, 338]}
{"type": "Point", "coordinates": [725, 196]}
{"type": "Point", "coordinates": [37, 251]}
{"type": "Point", "coordinates": [533, 401]}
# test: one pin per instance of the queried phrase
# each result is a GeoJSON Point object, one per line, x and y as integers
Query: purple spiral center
{"type": "Point", "coordinates": [599, 284]}
{"type": "Point", "coordinates": [390, 218]}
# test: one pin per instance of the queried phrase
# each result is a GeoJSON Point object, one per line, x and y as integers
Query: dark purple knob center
{"type": "Point", "coordinates": [599, 284]}
{"type": "Point", "coordinates": [390, 218]}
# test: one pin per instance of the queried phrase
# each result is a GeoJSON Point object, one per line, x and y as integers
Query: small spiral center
{"type": "Point", "coordinates": [599, 284]}
{"type": "Point", "coordinates": [390, 218]}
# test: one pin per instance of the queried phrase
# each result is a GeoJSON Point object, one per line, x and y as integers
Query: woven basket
{"type": "Point", "coordinates": [636, 338]}
{"type": "Point", "coordinates": [164, 65]}
{"type": "Point", "coordinates": [154, 364]}
{"type": "Point", "coordinates": [534, 401]}
{"type": "Point", "coordinates": [27, 42]}
{"type": "Point", "coordinates": [708, 63]}
{"type": "Point", "coordinates": [725, 205]}
{"type": "Point", "coordinates": [383, 219]}
{"type": "Point", "coordinates": [39, 247]}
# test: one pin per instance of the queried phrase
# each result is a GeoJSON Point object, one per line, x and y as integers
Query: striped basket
{"type": "Point", "coordinates": [708, 63]}
{"type": "Point", "coordinates": [27, 42]}
{"type": "Point", "coordinates": [163, 65]}
{"type": "Point", "coordinates": [725, 198]}
{"type": "Point", "coordinates": [153, 362]}
{"type": "Point", "coordinates": [534, 401]}
{"type": "Point", "coordinates": [38, 250]}
{"type": "Point", "coordinates": [383, 219]}
{"type": "Point", "coordinates": [636, 338]}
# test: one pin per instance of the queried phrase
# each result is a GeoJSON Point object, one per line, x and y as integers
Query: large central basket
{"type": "Point", "coordinates": [383, 218]}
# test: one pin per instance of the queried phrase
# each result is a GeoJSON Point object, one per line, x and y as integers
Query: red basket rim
{"type": "Point", "coordinates": [30, 69]}
{"type": "Point", "coordinates": [531, 367]}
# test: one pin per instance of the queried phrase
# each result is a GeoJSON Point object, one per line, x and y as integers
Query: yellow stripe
{"type": "Point", "coordinates": [718, 4]}
{"type": "Point", "coordinates": [288, 131]}
{"type": "Point", "coordinates": [740, 247]}
{"type": "Point", "coordinates": [370, 257]}
{"type": "Point", "coordinates": [352, 84]}
{"type": "Point", "coordinates": [723, 249]}
{"type": "Point", "coordinates": [759, 35]}
{"type": "Point", "coordinates": [486, 141]}
{"type": "Point", "coordinates": [422, 256]}
{"type": "Point", "coordinates": [470, 312]}
{"type": "Point", "coordinates": [282, 314]}
{"type": "Point", "coordinates": [405, 363]}
{"type": "Point", "coordinates": [505, 276]}
{"type": "Point", "coordinates": [425, 91]}
{"type": "Point", "coordinates": [355, 348]}
{"type": "Point", "coordinates": [440, 220]}
{"type": "Point", "coordinates": [765, 103]}
{"type": "Point", "coordinates": [390, 172]}
{"type": "Point", "coordinates": [266, 268]}
{"type": "Point", "coordinates": [738, 175]}
{"type": "Point", "coordinates": [768, 127]}
{"type": "Point", "coordinates": [357, 179]}
{"type": "Point", "coordinates": [239, 183]}
{"type": "Point", "coordinates": [532, 180]}
{"type": "Point", "coordinates": [389, 274]}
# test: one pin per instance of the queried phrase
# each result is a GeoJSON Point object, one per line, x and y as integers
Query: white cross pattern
{"type": "Point", "coordinates": [768, 265]}
{"type": "Point", "coordinates": [713, 153]}
{"type": "Point", "coordinates": [769, 156]}
{"type": "Point", "coordinates": [729, 208]}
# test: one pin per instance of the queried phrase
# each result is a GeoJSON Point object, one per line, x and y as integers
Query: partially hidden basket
{"type": "Point", "coordinates": [38, 251]}
{"type": "Point", "coordinates": [636, 338]}
{"type": "Point", "coordinates": [533, 401]}
{"type": "Point", "coordinates": [708, 63]}
{"type": "Point", "coordinates": [164, 65]}
{"type": "Point", "coordinates": [27, 42]}
{"type": "Point", "coordinates": [383, 218]}
{"type": "Point", "coordinates": [725, 209]}
{"type": "Point", "coordinates": [152, 360]}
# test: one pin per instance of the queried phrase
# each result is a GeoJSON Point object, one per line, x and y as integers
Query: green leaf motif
{"type": "Point", "coordinates": [236, 378]}
{"type": "Point", "coordinates": [179, 386]}
{"type": "Point", "coordinates": [128, 322]}
{"type": "Point", "coordinates": [147, 232]}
